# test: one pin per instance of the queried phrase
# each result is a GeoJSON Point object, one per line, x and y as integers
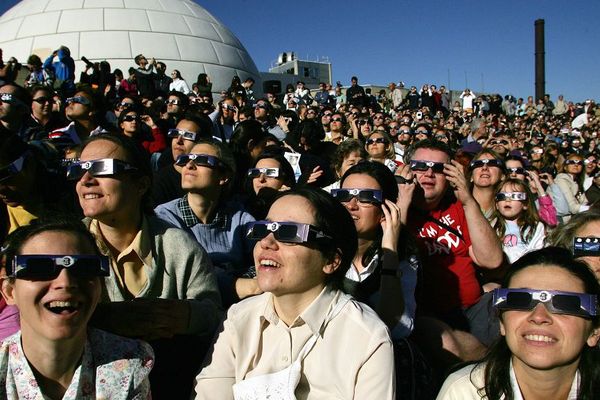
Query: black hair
{"type": "Point", "coordinates": [184, 100]}
{"type": "Point", "coordinates": [286, 172]}
{"type": "Point", "coordinates": [497, 381]}
{"type": "Point", "coordinates": [334, 220]}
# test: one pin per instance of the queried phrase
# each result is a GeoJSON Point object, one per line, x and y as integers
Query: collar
{"type": "Point", "coordinates": [314, 315]}
{"type": "Point", "coordinates": [190, 219]}
{"type": "Point", "coordinates": [356, 276]}
{"type": "Point", "coordinates": [141, 244]}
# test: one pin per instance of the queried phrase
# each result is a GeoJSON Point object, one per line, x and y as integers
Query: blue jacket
{"type": "Point", "coordinates": [64, 68]}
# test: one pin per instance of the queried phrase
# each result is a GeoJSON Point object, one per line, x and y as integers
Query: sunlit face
{"type": "Point", "coordinates": [36, 299]}
{"type": "Point", "coordinates": [77, 111]}
{"type": "Point", "coordinates": [262, 180]}
{"type": "Point", "coordinates": [130, 128]}
{"type": "Point", "coordinates": [574, 169]}
{"type": "Point", "coordinates": [486, 176]}
{"type": "Point", "coordinates": [41, 105]}
{"type": "Point", "coordinates": [198, 178]}
{"type": "Point", "coordinates": [179, 145]}
{"type": "Point", "coordinates": [109, 199]}
{"type": "Point", "coordinates": [511, 209]}
{"type": "Point", "coordinates": [538, 339]}
{"type": "Point", "coordinates": [376, 149]}
{"type": "Point", "coordinates": [173, 105]}
{"type": "Point", "coordinates": [289, 268]}
{"type": "Point", "coordinates": [433, 185]}
{"type": "Point", "coordinates": [367, 217]}
{"type": "Point", "coordinates": [591, 229]}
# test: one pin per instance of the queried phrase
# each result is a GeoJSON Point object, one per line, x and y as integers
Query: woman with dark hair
{"type": "Point", "coordinates": [485, 173]}
{"type": "Point", "coordinates": [570, 182]}
{"type": "Point", "coordinates": [204, 85]}
{"type": "Point", "coordinates": [384, 269]}
{"type": "Point", "coordinates": [349, 153]}
{"type": "Point", "coordinates": [53, 275]}
{"type": "Point", "coordinates": [381, 149]}
{"type": "Point", "coordinates": [271, 174]}
{"type": "Point", "coordinates": [179, 84]}
{"type": "Point", "coordinates": [162, 283]}
{"type": "Point", "coordinates": [247, 142]}
{"type": "Point", "coordinates": [303, 251]}
{"type": "Point", "coordinates": [550, 327]}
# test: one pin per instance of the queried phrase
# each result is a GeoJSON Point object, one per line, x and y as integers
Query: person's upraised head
{"type": "Point", "coordinates": [380, 173]}
{"type": "Point", "coordinates": [333, 219]}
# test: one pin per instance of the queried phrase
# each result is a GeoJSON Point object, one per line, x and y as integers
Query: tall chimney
{"type": "Point", "coordinates": [540, 64]}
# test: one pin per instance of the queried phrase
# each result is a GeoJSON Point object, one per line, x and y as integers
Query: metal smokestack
{"type": "Point", "coordinates": [540, 64]}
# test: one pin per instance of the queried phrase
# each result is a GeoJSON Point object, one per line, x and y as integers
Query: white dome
{"type": "Point", "coordinates": [179, 33]}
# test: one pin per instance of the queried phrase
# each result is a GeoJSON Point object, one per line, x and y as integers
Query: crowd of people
{"type": "Point", "coordinates": [334, 243]}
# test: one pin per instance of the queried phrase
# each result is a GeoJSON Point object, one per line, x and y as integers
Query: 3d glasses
{"type": "Point", "coordinates": [78, 100]}
{"type": "Point", "coordinates": [574, 162]}
{"type": "Point", "coordinates": [12, 169]}
{"type": "Point", "coordinates": [287, 232]}
{"type": "Point", "coordinates": [423, 166]}
{"type": "Point", "coordinates": [48, 267]}
{"type": "Point", "coordinates": [370, 196]}
{"type": "Point", "coordinates": [518, 196]}
{"type": "Point", "coordinates": [187, 135]}
{"type": "Point", "coordinates": [586, 246]}
{"type": "Point", "coordinates": [10, 99]}
{"type": "Point", "coordinates": [101, 167]}
{"type": "Point", "coordinates": [376, 140]}
{"type": "Point", "coordinates": [557, 302]}
{"type": "Point", "coordinates": [486, 162]}
{"type": "Point", "coordinates": [202, 160]}
{"type": "Point", "coordinates": [517, 170]}
{"type": "Point", "coordinates": [267, 172]}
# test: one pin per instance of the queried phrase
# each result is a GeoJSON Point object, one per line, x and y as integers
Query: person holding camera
{"type": "Point", "coordinates": [63, 70]}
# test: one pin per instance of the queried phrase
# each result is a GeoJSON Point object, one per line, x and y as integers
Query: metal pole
{"type": "Point", "coordinates": [540, 65]}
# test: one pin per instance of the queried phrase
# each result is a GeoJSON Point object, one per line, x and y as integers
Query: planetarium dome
{"type": "Point", "coordinates": [180, 33]}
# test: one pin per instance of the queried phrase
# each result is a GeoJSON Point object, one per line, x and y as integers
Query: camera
{"type": "Point", "coordinates": [586, 246]}
{"type": "Point", "coordinates": [87, 62]}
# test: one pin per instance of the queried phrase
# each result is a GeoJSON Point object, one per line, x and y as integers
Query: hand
{"type": "Point", "coordinates": [455, 175]}
{"type": "Point", "coordinates": [391, 225]}
{"type": "Point", "coordinates": [534, 183]}
{"type": "Point", "coordinates": [405, 190]}
{"type": "Point", "coordinates": [283, 123]}
{"type": "Point", "coordinates": [148, 121]}
{"type": "Point", "coordinates": [315, 174]}
{"type": "Point", "coordinates": [246, 287]}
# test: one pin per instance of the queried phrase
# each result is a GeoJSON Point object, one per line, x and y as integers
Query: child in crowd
{"type": "Point", "coordinates": [516, 220]}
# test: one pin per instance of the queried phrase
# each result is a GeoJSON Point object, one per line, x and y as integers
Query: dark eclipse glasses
{"type": "Point", "coordinates": [370, 196]}
{"type": "Point", "coordinates": [202, 160]}
{"type": "Point", "coordinates": [286, 232]}
{"type": "Point", "coordinates": [101, 167]}
{"type": "Point", "coordinates": [48, 267]}
{"type": "Point", "coordinates": [556, 301]}
{"type": "Point", "coordinates": [423, 166]}
{"type": "Point", "coordinates": [586, 246]}
{"type": "Point", "coordinates": [487, 162]}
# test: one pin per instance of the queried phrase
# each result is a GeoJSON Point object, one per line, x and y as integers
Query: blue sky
{"type": "Point", "coordinates": [485, 45]}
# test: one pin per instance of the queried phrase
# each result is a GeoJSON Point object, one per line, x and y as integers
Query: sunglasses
{"type": "Point", "coordinates": [364, 196]}
{"type": "Point", "coordinates": [12, 169]}
{"type": "Point", "coordinates": [517, 170]}
{"type": "Point", "coordinates": [377, 117]}
{"type": "Point", "coordinates": [574, 162]}
{"type": "Point", "coordinates": [586, 246]}
{"type": "Point", "coordinates": [101, 167]}
{"type": "Point", "coordinates": [268, 172]}
{"type": "Point", "coordinates": [228, 107]}
{"type": "Point", "coordinates": [363, 122]}
{"type": "Point", "coordinates": [124, 105]}
{"type": "Point", "coordinates": [286, 232]}
{"type": "Point", "coordinates": [78, 100]}
{"type": "Point", "coordinates": [131, 118]}
{"type": "Point", "coordinates": [327, 115]}
{"type": "Point", "coordinates": [201, 160]}
{"type": "Point", "coordinates": [486, 162]}
{"type": "Point", "coordinates": [557, 302]}
{"type": "Point", "coordinates": [173, 102]}
{"type": "Point", "coordinates": [187, 135]}
{"type": "Point", "coordinates": [537, 151]}
{"type": "Point", "coordinates": [264, 106]}
{"type": "Point", "coordinates": [503, 196]}
{"type": "Point", "coordinates": [44, 100]}
{"type": "Point", "coordinates": [376, 140]}
{"type": "Point", "coordinates": [423, 166]}
{"type": "Point", "coordinates": [404, 131]}
{"type": "Point", "coordinates": [48, 267]}
{"type": "Point", "coordinates": [440, 137]}
{"type": "Point", "coordinates": [422, 132]}
{"type": "Point", "coordinates": [336, 120]}
{"type": "Point", "coordinates": [502, 142]}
